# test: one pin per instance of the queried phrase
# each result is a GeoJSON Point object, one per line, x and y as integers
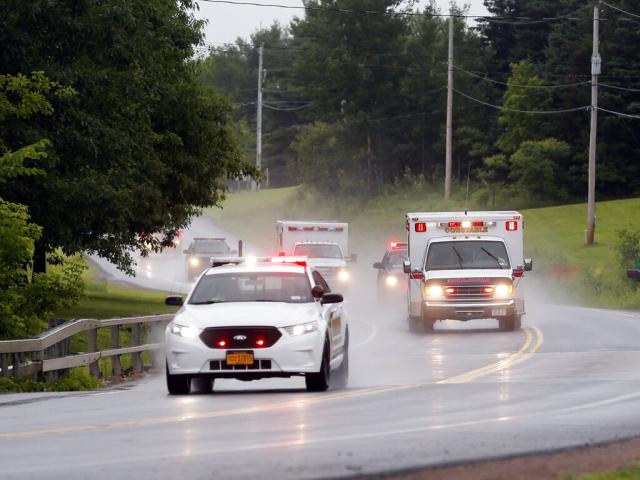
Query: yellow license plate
{"type": "Point", "coordinates": [240, 358]}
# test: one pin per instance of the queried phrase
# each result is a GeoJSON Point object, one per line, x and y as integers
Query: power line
{"type": "Point", "coordinates": [487, 79]}
{"type": "Point", "coordinates": [619, 114]}
{"type": "Point", "coordinates": [620, 10]}
{"type": "Point", "coordinates": [292, 109]}
{"type": "Point", "coordinates": [497, 19]}
{"type": "Point", "coordinates": [533, 112]}
{"type": "Point", "coordinates": [615, 87]}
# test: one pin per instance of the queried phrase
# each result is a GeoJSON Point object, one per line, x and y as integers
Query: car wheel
{"type": "Point", "coordinates": [177, 384]}
{"type": "Point", "coordinates": [201, 385]}
{"type": "Point", "coordinates": [342, 374]}
{"type": "Point", "coordinates": [414, 324]}
{"type": "Point", "coordinates": [510, 323]}
{"type": "Point", "coordinates": [319, 382]}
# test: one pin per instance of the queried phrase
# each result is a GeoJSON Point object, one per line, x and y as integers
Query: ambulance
{"type": "Point", "coordinates": [325, 244]}
{"type": "Point", "coordinates": [465, 266]}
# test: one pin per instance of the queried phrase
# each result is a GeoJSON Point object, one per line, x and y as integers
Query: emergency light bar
{"type": "Point", "coordinates": [251, 260]}
{"type": "Point", "coordinates": [397, 245]}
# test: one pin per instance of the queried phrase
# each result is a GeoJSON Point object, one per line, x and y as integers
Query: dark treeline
{"type": "Point", "coordinates": [356, 102]}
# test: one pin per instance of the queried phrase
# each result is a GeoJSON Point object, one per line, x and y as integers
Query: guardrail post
{"type": "Point", "coordinates": [116, 367]}
{"type": "Point", "coordinates": [136, 340]}
{"type": "Point", "coordinates": [92, 343]}
{"type": "Point", "coordinates": [4, 364]}
{"type": "Point", "coordinates": [154, 334]}
{"type": "Point", "coordinates": [16, 364]}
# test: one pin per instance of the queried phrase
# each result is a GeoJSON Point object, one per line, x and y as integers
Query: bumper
{"type": "Point", "coordinates": [469, 310]}
{"type": "Point", "coordinates": [288, 356]}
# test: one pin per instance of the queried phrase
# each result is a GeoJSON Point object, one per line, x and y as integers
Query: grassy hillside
{"type": "Point", "coordinates": [554, 236]}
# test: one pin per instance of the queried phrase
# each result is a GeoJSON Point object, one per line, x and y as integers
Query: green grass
{"type": "Point", "coordinates": [554, 236]}
{"type": "Point", "coordinates": [629, 473]}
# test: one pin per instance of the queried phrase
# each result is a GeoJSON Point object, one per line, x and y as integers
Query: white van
{"type": "Point", "coordinates": [465, 266]}
{"type": "Point", "coordinates": [325, 244]}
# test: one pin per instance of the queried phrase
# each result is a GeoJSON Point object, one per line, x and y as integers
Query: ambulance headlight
{"type": "Point", "coordinates": [434, 291]}
{"type": "Point", "coordinates": [503, 291]}
{"type": "Point", "coordinates": [194, 261]}
{"type": "Point", "coordinates": [344, 275]}
{"type": "Point", "coordinates": [391, 281]}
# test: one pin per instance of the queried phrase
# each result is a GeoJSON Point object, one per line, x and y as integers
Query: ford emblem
{"type": "Point", "coordinates": [240, 338]}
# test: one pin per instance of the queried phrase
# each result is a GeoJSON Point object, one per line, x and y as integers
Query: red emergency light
{"type": "Point", "coordinates": [512, 226]}
{"type": "Point", "coordinates": [302, 261]}
{"type": "Point", "coordinates": [421, 227]}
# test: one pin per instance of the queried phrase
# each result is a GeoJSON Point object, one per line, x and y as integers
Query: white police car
{"type": "Point", "coordinates": [258, 318]}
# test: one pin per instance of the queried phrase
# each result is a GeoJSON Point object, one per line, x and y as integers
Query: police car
{"type": "Point", "coordinates": [391, 277]}
{"type": "Point", "coordinates": [258, 318]}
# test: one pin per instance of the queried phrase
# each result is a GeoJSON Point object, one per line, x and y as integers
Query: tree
{"type": "Point", "coordinates": [25, 299]}
{"type": "Point", "coordinates": [140, 148]}
{"type": "Point", "coordinates": [522, 94]}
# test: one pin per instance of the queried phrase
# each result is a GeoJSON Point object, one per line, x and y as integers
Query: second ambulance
{"type": "Point", "coordinates": [465, 266]}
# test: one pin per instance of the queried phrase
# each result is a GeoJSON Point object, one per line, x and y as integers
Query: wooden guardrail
{"type": "Point", "coordinates": [50, 352]}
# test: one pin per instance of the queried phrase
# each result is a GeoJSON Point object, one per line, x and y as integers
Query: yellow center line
{"type": "Point", "coordinates": [522, 354]}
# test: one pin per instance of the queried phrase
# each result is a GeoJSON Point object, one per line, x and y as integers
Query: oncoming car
{"type": "Point", "coordinates": [199, 253]}
{"type": "Point", "coordinates": [258, 319]}
{"type": "Point", "coordinates": [391, 277]}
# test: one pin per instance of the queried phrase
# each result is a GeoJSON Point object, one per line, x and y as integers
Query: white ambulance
{"type": "Point", "coordinates": [325, 244]}
{"type": "Point", "coordinates": [465, 266]}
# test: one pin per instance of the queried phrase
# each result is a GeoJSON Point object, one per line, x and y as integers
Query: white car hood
{"type": "Point", "coordinates": [328, 262]}
{"type": "Point", "coordinates": [447, 274]}
{"type": "Point", "coordinates": [274, 314]}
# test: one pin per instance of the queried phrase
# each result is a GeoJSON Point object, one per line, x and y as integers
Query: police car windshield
{"type": "Point", "coordinates": [397, 257]}
{"type": "Point", "coordinates": [252, 287]}
{"type": "Point", "coordinates": [467, 255]}
{"type": "Point", "coordinates": [210, 246]}
{"type": "Point", "coordinates": [318, 250]}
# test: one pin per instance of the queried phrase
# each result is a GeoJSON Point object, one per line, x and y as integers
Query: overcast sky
{"type": "Point", "coordinates": [227, 22]}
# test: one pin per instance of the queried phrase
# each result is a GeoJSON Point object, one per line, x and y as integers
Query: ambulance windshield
{"type": "Point", "coordinates": [465, 255]}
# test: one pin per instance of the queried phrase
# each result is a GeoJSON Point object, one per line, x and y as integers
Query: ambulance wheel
{"type": "Point", "coordinates": [511, 322]}
{"type": "Point", "coordinates": [427, 323]}
{"type": "Point", "coordinates": [414, 324]}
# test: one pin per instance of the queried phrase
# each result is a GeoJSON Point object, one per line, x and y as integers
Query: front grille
{"type": "Point", "coordinates": [469, 292]}
{"type": "Point", "coordinates": [220, 365]}
{"type": "Point", "coordinates": [240, 337]}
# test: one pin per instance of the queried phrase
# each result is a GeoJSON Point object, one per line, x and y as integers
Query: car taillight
{"type": "Point", "coordinates": [222, 343]}
{"type": "Point", "coordinates": [421, 227]}
{"type": "Point", "coordinates": [260, 342]}
{"type": "Point", "coordinates": [512, 226]}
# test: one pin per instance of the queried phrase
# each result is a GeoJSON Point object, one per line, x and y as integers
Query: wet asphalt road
{"type": "Point", "coordinates": [467, 392]}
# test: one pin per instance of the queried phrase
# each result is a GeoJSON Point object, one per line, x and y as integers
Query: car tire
{"type": "Point", "coordinates": [414, 324]}
{"type": "Point", "coordinates": [201, 385]}
{"type": "Point", "coordinates": [342, 374]}
{"type": "Point", "coordinates": [511, 322]}
{"type": "Point", "coordinates": [427, 323]}
{"type": "Point", "coordinates": [319, 381]}
{"type": "Point", "coordinates": [177, 384]}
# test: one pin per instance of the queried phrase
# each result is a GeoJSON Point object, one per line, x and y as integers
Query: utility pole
{"type": "Point", "coordinates": [255, 184]}
{"type": "Point", "coordinates": [447, 167]}
{"type": "Point", "coordinates": [596, 64]}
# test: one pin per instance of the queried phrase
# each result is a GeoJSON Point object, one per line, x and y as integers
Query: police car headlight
{"type": "Point", "coordinates": [301, 329]}
{"type": "Point", "coordinates": [434, 291]}
{"type": "Point", "coordinates": [344, 275]}
{"type": "Point", "coordinates": [391, 281]}
{"type": "Point", "coordinates": [503, 291]}
{"type": "Point", "coordinates": [184, 331]}
{"type": "Point", "coordinates": [194, 261]}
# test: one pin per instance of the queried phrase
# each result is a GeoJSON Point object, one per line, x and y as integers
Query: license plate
{"type": "Point", "coordinates": [499, 312]}
{"type": "Point", "coordinates": [240, 358]}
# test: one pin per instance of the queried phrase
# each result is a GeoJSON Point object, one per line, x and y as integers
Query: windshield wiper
{"type": "Point", "coordinates": [205, 302]}
{"type": "Point", "coordinates": [492, 256]}
{"type": "Point", "coordinates": [266, 300]}
{"type": "Point", "coordinates": [458, 255]}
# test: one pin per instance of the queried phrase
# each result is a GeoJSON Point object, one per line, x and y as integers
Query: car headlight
{"type": "Point", "coordinates": [391, 281]}
{"type": "Point", "coordinates": [343, 275]}
{"type": "Point", "coordinates": [434, 291]}
{"type": "Point", "coordinates": [184, 331]}
{"type": "Point", "coordinates": [194, 261]}
{"type": "Point", "coordinates": [503, 291]}
{"type": "Point", "coordinates": [302, 328]}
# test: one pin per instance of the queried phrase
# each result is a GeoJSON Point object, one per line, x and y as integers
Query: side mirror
{"type": "Point", "coordinates": [317, 292]}
{"type": "Point", "coordinates": [174, 301]}
{"type": "Point", "coordinates": [378, 265]}
{"type": "Point", "coordinates": [406, 266]}
{"type": "Point", "coordinates": [528, 264]}
{"type": "Point", "coordinates": [331, 298]}
{"type": "Point", "coordinates": [353, 258]}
